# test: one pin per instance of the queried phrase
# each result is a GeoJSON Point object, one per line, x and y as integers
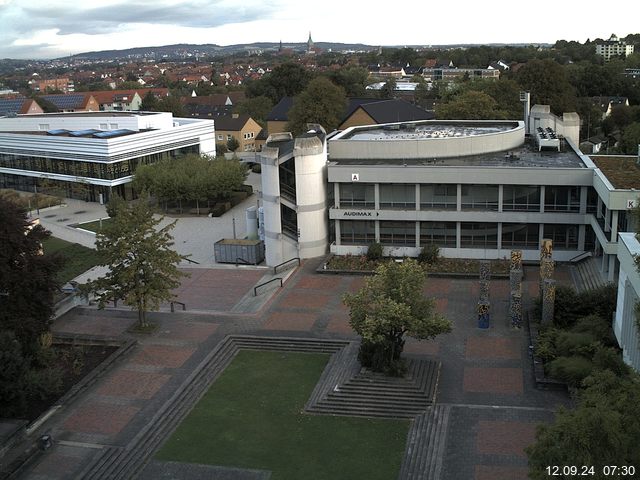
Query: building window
{"type": "Point", "coordinates": [113, 126]}
{"type": "Point", "coordinates": [43, 127]}
{"type": "Point", "coordinates": [520, 235]}
{"type": "Point", "coordinates": [442, 234]}
{"type": "Point", "coordinates": [401, 196]}
{"type": "Point", "coordinates": [480, 197]}
{"type": "Point", "coordinates": [357, 232]}
{"type": "Point", "coordinates": [521, 198]}
{"type": "Point", "coordinates": [360, 195]}
{"type": "Point", "coordinates": [398, 233]}
{"type": "Point", "coordinates": [287, 175]}
{"type": "Point", "coordinates": [439, 197]}
{"type": "Point", "coordinates": [565, 237]}
{"type": "Point", "coordinates": [229, 137]}
{"type": "Point", "coordinates": [478, 235]}
{"type": "Point", "coordinates": [220, 136]}
{"type": "Point", "coordinates": [592, 200]}
{"type": "Point", "coordinates": [289, 221]}
{"type": "Point", "coordinates": [103, 126]}
{"type": "Point", "coordinates": [561, 199]}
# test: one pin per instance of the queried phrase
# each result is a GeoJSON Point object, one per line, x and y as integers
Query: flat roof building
{"type": "Point", "coordinates": [91, 153]}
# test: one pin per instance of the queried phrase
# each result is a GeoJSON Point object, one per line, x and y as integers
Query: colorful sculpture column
{"type": "Point", "coordinates": [547, 284]}
{"type": "Point", "coordinates": [515, 282]}
{"type": "Point", "coordinates": [484, 305]}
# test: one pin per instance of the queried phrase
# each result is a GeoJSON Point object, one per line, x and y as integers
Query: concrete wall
{"type": "Point", "coordinates": [624, 325]}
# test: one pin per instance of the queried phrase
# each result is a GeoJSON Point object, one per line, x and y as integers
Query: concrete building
{"type": "Point", "coordinates": [241, 127]}
{"type": "Point", "coordinates": [613, 48]}
{"type": "Point", "coordinates": [625, 324]}
{"type": "Point", "coordinates": [294, 196]}
{"type": "Point", "coordinates": [97, 151]}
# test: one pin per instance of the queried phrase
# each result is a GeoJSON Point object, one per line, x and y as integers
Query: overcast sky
{"type": "Point", "coordinates": [54, 28]}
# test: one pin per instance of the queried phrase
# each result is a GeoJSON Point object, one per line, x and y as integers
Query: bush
{"type": "Point", "coordinates": [571, 306]}
{"type": "Point", "coordinates": [573, 343]}
{"type": "Point", "coordinates": [374, 251]}
{"type": "Point", "coordinates": [596, 326]}
{"type": "Point", "coordinates": [570, 369]}
{"type": "Point", "coordinates": [610, 359]}
{"type": "Point", "coordinates": [429, 254]}
{"type": "Point", "coordinates": [545, 348]}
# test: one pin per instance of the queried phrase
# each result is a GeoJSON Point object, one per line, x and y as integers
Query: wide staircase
{"type": "Point", "coordinates": [586, 274]}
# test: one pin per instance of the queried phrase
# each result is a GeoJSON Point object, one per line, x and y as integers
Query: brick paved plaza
{"type": "Point", "coordinates": [485, 378]}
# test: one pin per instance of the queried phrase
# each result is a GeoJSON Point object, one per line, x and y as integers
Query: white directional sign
{"type": "Point", "coordinates": [355, 177]}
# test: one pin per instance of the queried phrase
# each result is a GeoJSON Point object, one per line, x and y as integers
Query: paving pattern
{"type": "Point", "coordinates": [486, 402]}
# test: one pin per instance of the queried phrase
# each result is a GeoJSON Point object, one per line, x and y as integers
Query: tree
{"type": "Point", "coordinates": [257, 108]}
{"type": "Point", "coordinates": [353, 79]}
{"type": "Point", "coordinates": [321, 102]}
{"type": "Point", "coordinates": [143, 268]}
{"type": "Point", "coordinates": [27, 278]}
{"type": "Point", "coordinates": [602, 430]}
{"type": "Point", "coordinates": [388, 90]}
{"type": "Point", "coordinates": [630, 139]}
{"type": "Point", "coordinates": [233, 144]}
{"type": "Point", "coordinates": [286, 80]}
{"type": "Point", "coordinates": [471, 105]}
{"type": "Point", "coordinates": [390, 305]}
{"type": "Point", "coordinates": [549, 85]}
{"type": "Point", "coordinates": [149, 102]}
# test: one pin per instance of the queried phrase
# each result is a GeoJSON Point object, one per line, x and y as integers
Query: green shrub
{"type": "Point", "coordinates": [545, 347]}
{"type": "Point", "coordinates": [565, 306]}
{"type": "Point", "coordinates": [596, 326]}
{"type": "Point", "coordinates": [573, 343]}
{"type": "Point", "coordinates": [570, 369]}
{"type": "Point", "coordinates": [429, 254]}
{"type": "Point", "coordinates": [610, 359]}
{"type": "Point", "coordinates": [571, 306]}
{"type": "Point", "coordinates": [374, 251]}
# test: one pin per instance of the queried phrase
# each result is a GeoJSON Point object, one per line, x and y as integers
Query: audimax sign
{"type": "Point", "coordinates": [360, 213]}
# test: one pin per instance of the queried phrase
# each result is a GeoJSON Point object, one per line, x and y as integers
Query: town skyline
{"type": "Point", "coordinates": [46, 30]}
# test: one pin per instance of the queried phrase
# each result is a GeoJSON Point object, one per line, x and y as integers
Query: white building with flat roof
{"type": "Point", "coordinates": [98, 151]}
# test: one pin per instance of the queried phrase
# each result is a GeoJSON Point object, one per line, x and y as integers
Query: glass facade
{"type": "Point", "coordinates": [480, 197]}
{"type": "Point", "coordinates": [398, 233]}
{"type": "Point", "coordinates": [400, 196]}
{"type": "Point", "coordinates": [520, 235]}
{"type": "Point", "coordinates": [357, 232]}
{"type": "Point", "coordinates": [442, 234]}
{"type": "Point", "coordinates": [360, 195]}
{"type": "Point", "coordinates": [479, 235]}
{"type": "Point", "coordinates": [289, 220]}
{"type": "Point", "coordinates": [438, 197]}
{"type": "Point", "coordinates": [520, 198]}
{"type": "Point", "coordinates": [565, 237]}
{"type": "Point", "coordinates": [561, 199]}
{"type": "Point", "coordinates": [79, 168]}
{"type": "Point", "coordinates": [287, 174]}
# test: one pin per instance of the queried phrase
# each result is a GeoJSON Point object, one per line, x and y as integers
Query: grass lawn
{"type": "Point", "coordinates": [76, 258]}
{"type": "Point", "coordinates": [95, 225]}
{"type": "Point", "coordinates": [252, 417]}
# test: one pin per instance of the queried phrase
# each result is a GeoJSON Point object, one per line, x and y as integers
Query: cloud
{"type": "Point", "coordinates": [23, 22]}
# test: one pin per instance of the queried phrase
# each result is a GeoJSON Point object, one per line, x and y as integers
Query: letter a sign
{"type": "Point", "coordinates": [355, 177]}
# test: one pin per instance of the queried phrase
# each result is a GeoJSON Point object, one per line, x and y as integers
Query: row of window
{"type": "Point", "coordinates": [473, 197]}
{"type": "Point", "coordinates": [472, 234]}
{"type": "Point", "coordinates": [77, 168]}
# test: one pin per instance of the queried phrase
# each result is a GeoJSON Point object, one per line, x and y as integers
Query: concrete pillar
{"type": "Point", "coordinates": [458, 234]}
{"type": "Point", "coordinates": [542, 194]}
{"type": "Point", "coordinates": [598, 215]}
{"type": "Point", "coordinates": [271, 205]}
{"type": "Point", "coordinates": [418, 234]}
{"type": "Point", "coordinates": [336, 194]}
{"type": "Point", "coordinates": [614, 225]}
{"type": "Point", "coordinates": [500, 200]}
{"type": "Point", "coordinates": [459, 198]}
{"type": "Point", "coordinates": [377, 231]}
{"type": "Point", "coordinates": [583, 200]}
{"type": "Point", "coordinates": [607, 220]}
{"type": "Point", "coordinates": [612, 268]}
{"type": "Point", "coordinates": [337, 224]}
{"type": "Point", "coordinates": [417, 196]}
{"type": "Point", "coordinates": [376, 196]}
{"type": "Point", "coordinates": [499, 236]}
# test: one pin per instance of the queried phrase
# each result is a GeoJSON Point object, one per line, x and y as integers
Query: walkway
{"type": "Point", "coordinates": [486, 385]}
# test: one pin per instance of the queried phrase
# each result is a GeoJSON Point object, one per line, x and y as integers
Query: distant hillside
{"type": "Point", "coordinates": [190, 50]}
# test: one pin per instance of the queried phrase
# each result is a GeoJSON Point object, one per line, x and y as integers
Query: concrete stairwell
{"type": "Point", "coordinates": [587, 276]}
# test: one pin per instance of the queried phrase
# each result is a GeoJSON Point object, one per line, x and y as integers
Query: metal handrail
{"type": "Point", "coordinates": [255, 289]}
{"type": "Point", "coordinates": [184, 307]}
{"type": "Point", "coordinates": [581, 256]}
{"type": "Point", "coordinates": [275, 269]}
{"type": "Point", "coordinates": [191, 261]}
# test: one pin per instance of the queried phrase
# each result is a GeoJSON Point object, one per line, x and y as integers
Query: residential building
{"type": "Point", "coordinates": [450, 74]}
{"type": "Point", "coordinates": [73, 102]}
{"type": "Point", "coordinates": [20, 105]}
{"type": "Point", "coordinates": [279, 116]}
{"type": "Point", "coordinates": [613, 48]}
{"type": "Point", "coordinates": [371, 111]}
{"type": "Point", "coordinates": [607, 103]}
{"type": "Point", "coordinates": [96, 150]}
{"type": "Point", "coordinates": [64, 84]}
{"type": "Point", "coordinates": [118, 100]}
{"type": "Point", "coordinates": [241, 127]}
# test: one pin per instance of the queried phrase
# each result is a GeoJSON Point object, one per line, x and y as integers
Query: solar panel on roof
{"type": "Point", "coordinates": [113, 133]}
{"type": "Point", "coordinates": [82, 133]}
{"type": "Point", "coordinates": [65, 101]}
{"type": "Point", "coordinates": [12, 105]}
